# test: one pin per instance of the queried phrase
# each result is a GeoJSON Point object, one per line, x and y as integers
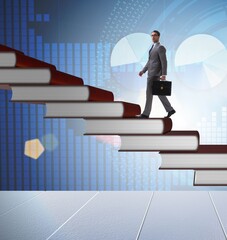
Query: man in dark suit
{"type": "Point", "coordinates": [157, 70]}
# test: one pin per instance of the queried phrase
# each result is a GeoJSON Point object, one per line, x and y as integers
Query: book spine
{"type": "Point", "coordinates": [26, 61]}
{"type": "Point", "coordinates": [60, 78]}
{"type": "Point", "coordinates": [168, 124]}
{"type": "Point", "coordinates": [96, 94]}
{"type": "Point", "coordinates": [131, 110]}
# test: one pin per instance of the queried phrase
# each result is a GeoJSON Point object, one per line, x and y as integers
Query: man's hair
{"type": "Point", "coordinates": [156, 31]}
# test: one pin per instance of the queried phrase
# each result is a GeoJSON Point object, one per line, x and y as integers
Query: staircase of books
{"type": "Point", "coordinates": [66, 96]}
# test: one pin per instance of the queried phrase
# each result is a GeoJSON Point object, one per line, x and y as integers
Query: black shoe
{"type": "Point", "coordinates": [142, 116]}
{"type": "Point", "coordinates": [170, 113]}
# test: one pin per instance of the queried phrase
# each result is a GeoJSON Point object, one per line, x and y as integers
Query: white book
{"type": "Point", "coordinates": [54, 93]}
{"type": "Point", "coordinates": [127, 126]}
{"type": "Point", "coordinates": [7, 59]}
{"type": "Point", "coordinates": [91, 109]}
{"type": "Point", "coordinates": [36, 76]}
{"type": "Point", "coordinates": [210, 178]}
{"type": "Point", "coordinates": [206, 157]}
{"type": "Point", "coordinates": [14, 58]}
{"type": "Point", "coordinates": [24, 76]}
{"type": "Point", "coordinates": [174, 140]}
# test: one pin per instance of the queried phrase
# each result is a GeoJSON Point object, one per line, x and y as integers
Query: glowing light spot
{"type": "Point", "coordinates": [50, 142]}
{"type": "Point", "coordinates": [33, 148]}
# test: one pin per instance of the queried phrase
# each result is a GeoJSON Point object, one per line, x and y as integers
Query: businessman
{"type": "Point", "coordinates": [157, 70]}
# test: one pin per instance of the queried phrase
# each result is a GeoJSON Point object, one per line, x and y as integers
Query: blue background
{"type": "Point", "coordinates": [78, 37]}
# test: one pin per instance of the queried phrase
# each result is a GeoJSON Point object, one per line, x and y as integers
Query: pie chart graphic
{"type": "Point", "coordinates": [201, 62]}
{"type": "Point", "coordinates": [128, 57]}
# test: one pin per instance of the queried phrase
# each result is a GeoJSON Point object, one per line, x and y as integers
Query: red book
{"type": "Point", "coordinates": [15, 58]}
{"type": "Point", "coordinates": [61, 78]}
{"type": "Point", "coordinates": [59, 93]}
{"type": "Point", "coordinates": [131, 109]}
{"type": "Point", "coordinates": [207, 157]}
{"type": "Point", "coordinates": [98, 94]}
{"type": "Point", "coordinates": [91, 110]}
{"type": "Point", "coordinates": [128, 126]}
{"type": "Point", "coordinates": [24, 61]}
{"type": "Point", "coordinates": [171, 141]}
{"type": "Point", "coordinates": [25, 76]}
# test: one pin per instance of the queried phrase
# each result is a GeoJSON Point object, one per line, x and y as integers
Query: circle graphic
{"type": "Point", "coordinates": [128, 57]}
{"type": "Point", "coordinates": [200, 61]}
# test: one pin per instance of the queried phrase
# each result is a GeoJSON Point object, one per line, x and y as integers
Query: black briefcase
{"type": "Point", "coordinates": [161, 87]}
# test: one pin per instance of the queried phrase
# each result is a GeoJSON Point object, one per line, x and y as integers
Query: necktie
{"type": "Point", "coordinates": [151, 49]}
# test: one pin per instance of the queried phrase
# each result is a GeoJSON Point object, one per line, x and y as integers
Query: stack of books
{"type": "Point", "coordinates": [66, 96]}
{"type": "Point", "coordinates": [178, 149]}
{"type": "Point", "coordinates": [209, 163]}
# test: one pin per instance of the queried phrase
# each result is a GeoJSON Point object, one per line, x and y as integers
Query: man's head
{"type": "Point", "coordinates": [155, 35]}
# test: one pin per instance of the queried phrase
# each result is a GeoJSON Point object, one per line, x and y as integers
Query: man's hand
{"type": "Point", "coordinates": [163, 77]}
{"type": "Point", "coordinates": [141, 73]}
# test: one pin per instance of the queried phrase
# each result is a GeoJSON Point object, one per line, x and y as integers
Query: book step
{"type": "Point", "coordinates": [18, 68]}
{"type": "Point", "coordinates": [127, 126]}
{"type": "Point", "coordinates": [54, 93]}
{"type": "Point", "coordinates": [210, 178]}
{"type": "Point", "coordinates": [91, 110]}
{"type": "Point", "coordinates": [206, 157]}
{"type": "Point", "coordinates": [174, 140]}
{"type": "Point", "coordinates": [13, 58]}
{"type": "Point", "coordinates": [36, 76]}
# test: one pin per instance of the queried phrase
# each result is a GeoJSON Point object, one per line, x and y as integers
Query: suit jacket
{"type": "Point", "coordinates": [157, 63]}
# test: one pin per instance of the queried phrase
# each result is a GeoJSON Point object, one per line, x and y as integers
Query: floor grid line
{"type": "Point", "coordinates": [72, 215]}
{"type": "Point", "coordinates": [144, 217]}
{"type": "Point", "coordinates": [219, 218]}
